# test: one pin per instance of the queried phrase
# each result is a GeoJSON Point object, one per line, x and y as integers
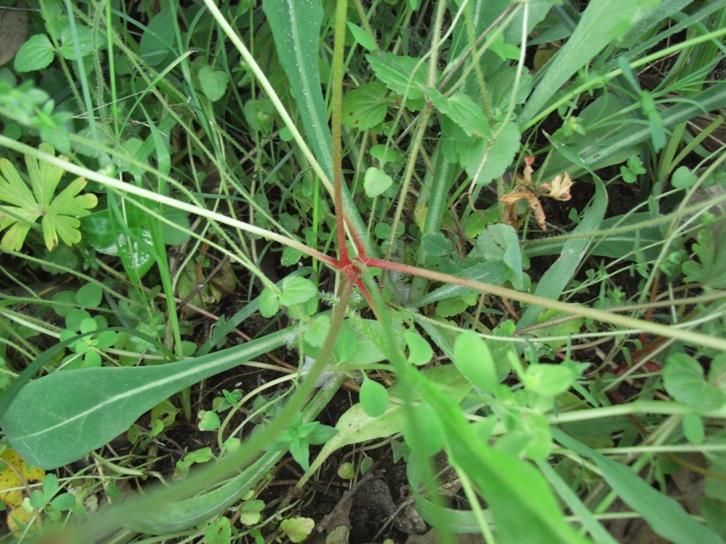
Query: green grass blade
{"type": "Point", "coordinates": [663, 514]}
{"type": "Point", "coordinates": [296, 29]}
{"type": "Point", "coordinates": [601, 23]}
{"type": "Point", "coordinates": [555, 280]}
{"type": "Point", "coordinates": [589, 522]}
{"type": "Point", "coordinates": [61, 417]}
{"type": "Point", "coordinates": [628, 239]}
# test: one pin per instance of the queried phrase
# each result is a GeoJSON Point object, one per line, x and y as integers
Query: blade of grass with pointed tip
{"type": "Point", "coordinates": [59, 418]}
{"type": "Point", "coordinates": [664, 515]}
{"type": "Point", "coordinates": [296, 27]}
{"type": "Point", "coordinates": [601, 23]}
{"type": "Point", "coordinates": [557, 277]}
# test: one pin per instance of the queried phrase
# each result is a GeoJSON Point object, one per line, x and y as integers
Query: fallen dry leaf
{"type": "Point", "coordinates": [559, 188]}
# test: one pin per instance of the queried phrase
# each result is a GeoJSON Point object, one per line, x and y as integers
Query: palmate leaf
{"type": "Point", "coordinates": [60, 215]}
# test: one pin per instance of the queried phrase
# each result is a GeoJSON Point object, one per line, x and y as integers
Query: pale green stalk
{"type": "Point", "coordinates": [636, 407]}
{"type": "Point", "coordinates": [475, 506]}
{"type": "Point", "coordinates": [420, 132]}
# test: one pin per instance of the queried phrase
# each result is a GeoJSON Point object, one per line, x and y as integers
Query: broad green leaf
{"type": "Point", "coordinates": [406, 76]}
{"type": "Point", "coordinates": [297, 529]}
{"type": "Point", "coordinates": [558, 276]}
{"type": "Point", "coordinates": [59, 213]}
{"type": "Point", "coordinates": [385, 154]}
{"type": "Point", "coordinates": [602, 22]}
{"type": "Point", "coordinates": [505, 51]}
{"type": "Point", "coordinates": [487, 159]}
{"type": "Point", "coordinates": [208, 420]}
{"type": "Point", "coordinates": [436, 244]}
{"type": "Point", "coordinates": [316, 333]}
{"type": "Point", "coordinates": [373, 397]}
{"type": "Point", "coordinates": [297, 290]}
{"type": "Point", "coordinates": [561, 327]}
{"type": "Point", "coordinates": [130, 240]}
{"type": "Point", "coordinates": [177, 234]}
{"type": "Point", "coordinates": [59, 418]}
{"type": "Point", "coordinates": [376, 182]}
{"type": "Point", "coordinates": [300, 451]}
{"type": "Point", "coordinates": [693, 428]}
{"type": "Point", "coordinates": [366, 106]}
{"type": "Point", "coordinates": [35, 54]}
{"type": "Point", "coordinates": [362, 37]}
{"type": "Point", "coordinates": [466, 113]}
{"type": "Point", "coordinates": [684, 380]}
{"type": "Point", "coordinates": [419, 350]}
{"type": "Point", "coordinates": [474, 360]}
{"type": "Point", "coordinates": [683, 178]}
{"type": "Point", "coordinates": [83, 39]}
{"type": "Point", "coordinates": [495, 273]}
{"type": "Point", "coordinates": [318, 433]}
{"type": "Point", "coordinates": [218, 532]}
{"type": "Point", "coordinates": [450, 307]}
{"type": "Point", "coordinates": [90, 295]}
{"type": "Point", "coordinates": [157, 42]}
{"type": "Point", "coordinates": [345, 346]}
{"type": "Point", "coordinates": [503, 84]}
{"type": "Point", "coordinates": [63, 502]}
{"type": "Point", "coordinates": [296, 27]}
{"type": "Point", "coordinates": [424, 431]}
{"type": "Point", "coordinates": [664, 515]}
{"type": "Point", "coordinates": [501, 243]}
{"type": "Point", "coordinates": [213, 82]}
{"type": "Point", "coordinates": [548, 380]}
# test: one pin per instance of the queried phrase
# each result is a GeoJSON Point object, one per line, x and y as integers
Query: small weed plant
{"type": "Point", "coordinates": [497, 225]}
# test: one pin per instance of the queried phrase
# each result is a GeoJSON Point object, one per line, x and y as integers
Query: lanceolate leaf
{"type": "Point", "coordinates": [601, 22]}
{"type": "Point", "coordinates": [61, 417]}
{"type": "Point", "coordinates": [663, 514]}
{"type": "Point", "coordinates": [559, 274]}
{"type": "Point", "coordinates": [295, 27]}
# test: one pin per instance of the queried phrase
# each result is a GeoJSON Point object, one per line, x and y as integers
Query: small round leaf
{"type": "Point", "coordinates": [373, 397]}
{"type": "Point", "coordinates": [376, 182]}
{"type": "Point", "coordinates": [296, 290]}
